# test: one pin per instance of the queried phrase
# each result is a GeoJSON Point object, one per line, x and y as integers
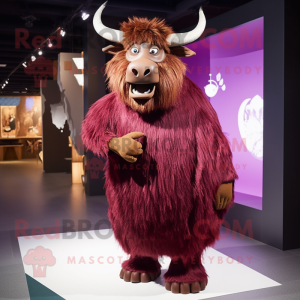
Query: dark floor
{"type": "Point", "coordinates": [26, 193]}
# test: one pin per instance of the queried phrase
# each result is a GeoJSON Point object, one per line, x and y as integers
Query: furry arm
{"type": "Point", "coordinates": [214, 157]}
{"type": "Point", "coordinates": [215, 152]}
{"type": "Point", "coordinates": [217, 171]}
{"type": "Point", "coordinates": [97, 127]}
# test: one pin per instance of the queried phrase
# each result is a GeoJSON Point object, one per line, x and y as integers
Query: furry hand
{"type": "Point", "coordinates": [126, 146]}
{"type": "Point", "coordinates": [224, 196]}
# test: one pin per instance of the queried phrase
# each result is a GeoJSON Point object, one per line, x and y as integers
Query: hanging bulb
{"type": "Point", "coordinates": [84, 16]}
{"type": "Point", "coordinates": [49, 43]}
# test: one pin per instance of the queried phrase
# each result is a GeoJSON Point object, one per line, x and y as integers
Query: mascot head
{"type": "Point", "coordinates": [145, 70]}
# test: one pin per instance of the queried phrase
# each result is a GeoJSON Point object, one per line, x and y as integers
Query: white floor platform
{"type": "Point", "coordinates": [87, 267]}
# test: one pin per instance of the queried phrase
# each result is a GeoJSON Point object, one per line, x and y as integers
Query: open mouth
{"type": "Point", "coordinates": [141, 93]}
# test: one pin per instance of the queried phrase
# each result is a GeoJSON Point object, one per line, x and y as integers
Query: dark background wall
{"type": "Point", "coordinates": [291, 207]}
{"type": "Point", "coordinates": [55, 142]}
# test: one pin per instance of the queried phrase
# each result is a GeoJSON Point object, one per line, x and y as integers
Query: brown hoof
{"type": "Point", "coordinates": [175, 288]}
{"type": "Point", "coordinates": [145, 277]}
{"type": "Point", "coordinates": [168, 286]}
{"type": "Point", "coordinates": [185, 288]}
{"type": "Point", "coordinates": [122, 273]}
{"type": "Point", "coordinates": [136, 277]}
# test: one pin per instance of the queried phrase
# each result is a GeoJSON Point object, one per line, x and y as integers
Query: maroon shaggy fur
{"type": "Point", "coordinates": [143, 30]}
{"type": "Point", "coordinates": [141, 264]}
{"type": "Point", "coordinates": [187, 270]}
{"type": "Point", "coordinates": [164, 203]}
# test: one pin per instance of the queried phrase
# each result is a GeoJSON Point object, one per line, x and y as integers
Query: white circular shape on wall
{"type": "Point", "coordinates": [250, 121]}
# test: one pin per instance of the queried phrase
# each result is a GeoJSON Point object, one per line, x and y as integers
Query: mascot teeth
{"type": "Point", "coordinates": [138, 93]}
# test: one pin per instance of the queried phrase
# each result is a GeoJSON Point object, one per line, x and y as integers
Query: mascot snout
{"type": "Point", "coordinates": [142, 75]}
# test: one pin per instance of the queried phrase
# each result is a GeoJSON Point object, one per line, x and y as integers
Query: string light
{"type": "Point", "coordinates": [49, 43]}
{"type": "Point", "coordinates": [84, 16]}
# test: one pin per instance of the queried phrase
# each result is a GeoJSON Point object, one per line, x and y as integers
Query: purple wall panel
{"type": "Point", "coordinates": [235, 60]}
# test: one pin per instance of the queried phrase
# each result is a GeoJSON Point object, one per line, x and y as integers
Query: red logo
{"type": "Point", "coordinates": [39, 258]}
{"type": "Point", "coordinates": [41, 69]}
{"type": "Point", "coordinates": [94, 165]}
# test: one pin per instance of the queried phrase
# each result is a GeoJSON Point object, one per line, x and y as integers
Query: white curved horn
{"type": "Point", "coordinates": [110, 34]}
{"type": "Point", "coordinates": [181, 39]}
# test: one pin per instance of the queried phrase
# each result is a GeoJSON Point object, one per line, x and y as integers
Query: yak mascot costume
{"type": "Point", "coordinates": [169, 173]}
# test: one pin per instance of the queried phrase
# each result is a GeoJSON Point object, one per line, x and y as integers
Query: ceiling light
{"type": "Point", "coordinates": [84, 16]}
{"type": "Point", "coordinates": [49, 43]}
{"type": "Point", "coordinates": [26, 89]}
{"type": "Point", "coordinates": [24, 64]}
{"type": "Point", "coordinates": [62, 32]}
{"type": "Point", "coordinates": [78, 62]}
{"type": "Point", "coordinates": [29, 20]}
{"type": "Point", "coordinates": [40, 52]}
{"type": "Point", "coordinates": [33, 58]}
{"type": "Point", "coordinates": [2, 65]}
{"type": "Point", "coordinates": [6, 82]}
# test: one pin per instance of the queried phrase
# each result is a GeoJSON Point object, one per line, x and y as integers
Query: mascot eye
{"type": "Point", "coordinates": [153, 50]}
{"type": "Point", "coordinates": [134, 50]}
